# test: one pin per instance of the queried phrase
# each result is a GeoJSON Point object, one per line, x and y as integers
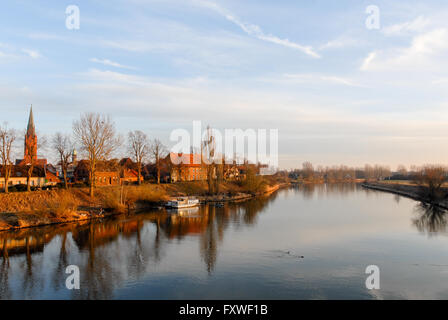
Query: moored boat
{"type": "Point", "coordinates": [182, 202]}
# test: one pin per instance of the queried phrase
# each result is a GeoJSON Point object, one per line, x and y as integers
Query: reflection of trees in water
{"type": "Point", "coordinates": [308, 190]}
{"type": "Point", "coordinates": [5, 291]}
{"type": "Point", "coordinates": [99, 277]}
{"type": "Point", "coordinates": [341, 188]}
{"type": "Point", "coordinates": [111, 251]}
{"type": "Point", "coordinates": [58, 274]}
{"type": "Point", "coordinates": [104, 259]}
{"type": "Point", "coordinates": [431, 220]}
{"type": "Point", "coordinates": [208, 242]}
{"type": "Point", "coordinates": [210, 223]}
{"type": "Point", "coordinates": [110, 260]}
{"type": "Point", "coordinates": [31, 267]}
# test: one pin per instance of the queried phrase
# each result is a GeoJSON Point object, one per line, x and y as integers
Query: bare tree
{"type": "Point", "coordinates": [208, 157]}
{"type": "Point", "coordinates": [158, 151]}
{"type": "Point", "coordinates": [96, 135]}
{"type": "Point", "coordinates": [402, 171]}
{"type": "Point", "coordinates": [139, 147]}
{"type": "Point", "coordinates": [7, 138]}
{"type": "Point", "coordinates": [64, 147]}
{"type": "Point", "coordinates": [432, 177]}
{"type": "Point", "coordinates": [308, 170]}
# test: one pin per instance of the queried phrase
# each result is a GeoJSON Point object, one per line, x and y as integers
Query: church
{"type": "Point", "coordinates": [30, 146]}
{"type": "Point", "coordinates": [41, 176]}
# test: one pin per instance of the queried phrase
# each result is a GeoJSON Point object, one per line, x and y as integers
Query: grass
{"type": "Point", "coordinates": [120, 198]}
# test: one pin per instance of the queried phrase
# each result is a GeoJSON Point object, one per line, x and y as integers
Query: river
{"type": "Point", "coordinates": [309, 242]}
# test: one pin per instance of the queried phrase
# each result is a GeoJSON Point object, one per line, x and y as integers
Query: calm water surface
{"type": "Point", "coordinates": [301, 243]}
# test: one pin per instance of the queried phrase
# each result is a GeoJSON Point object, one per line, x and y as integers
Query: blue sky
{"type": "Point", "coordinates": [337, 91]}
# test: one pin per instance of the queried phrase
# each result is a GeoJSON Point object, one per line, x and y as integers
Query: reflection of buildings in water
{"type": "Point", "coordinates": [432, 219]}
{"type": "Point", "coordinates": [211, 222]}
{"type": "Point", "coordinates": [101, 276]}
{"type": "Point", "coordinates": [26, 245]}
{"type": "Point", "coordinates": [30, 241]}
{"type": "Point", "coordinates": [104, 259]}
{"type": "Point", "coordinates": [177, 226]}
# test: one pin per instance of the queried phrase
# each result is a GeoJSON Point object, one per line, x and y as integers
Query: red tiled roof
{"type": "Point", "coordinates": [51, 177]}
{"type": "Point", "coordinates": [186, 158]}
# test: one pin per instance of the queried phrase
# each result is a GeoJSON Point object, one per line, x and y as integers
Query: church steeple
{"type": "Point", "coordinates": [31, 131]}
{"type": "Point", "coordinates": [30, 152]}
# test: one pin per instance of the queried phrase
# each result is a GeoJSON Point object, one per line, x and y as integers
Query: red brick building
{"type": "Point", "coordinates": [189, 167]}
{"type": "Point", "coordinates": [108, 173]}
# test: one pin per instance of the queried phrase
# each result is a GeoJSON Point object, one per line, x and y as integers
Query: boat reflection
{"type": "Point", "coordinates": [184, 211]}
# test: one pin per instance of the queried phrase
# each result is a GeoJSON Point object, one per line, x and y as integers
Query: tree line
{"type": "Point", "coordinates": [433, 175]}
{"type": "Point", "coordinates": [96, 137]}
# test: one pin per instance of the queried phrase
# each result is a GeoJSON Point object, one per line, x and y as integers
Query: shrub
{"type": "Point", "coordinates": [253, 183]}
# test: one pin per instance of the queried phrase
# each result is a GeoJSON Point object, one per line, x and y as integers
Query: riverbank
{"type": "Point", "coordinates": [39, 208]}
{"type": "Point", "coordinates": [408, 190]}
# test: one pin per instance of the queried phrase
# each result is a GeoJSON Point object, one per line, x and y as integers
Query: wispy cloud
{"type": "Point", "coordinates": [427, 52]}
{"type": "Point", "coordinates": [417, 25]}
{"type": "Point", "coordinates": [10, 53]}
{"type": "Point", "coordinates": [308, 78]}
{"type": "Point", "coordinates": [341, 42]}
{"type": "Point", "coordinates": [255, 30]}
{"type": "Point", "coordinates": [368, 60]}
{"type": "Point", "coordinates": [32, 53]}
{"type": "Point", "coordinates": [111, 63]}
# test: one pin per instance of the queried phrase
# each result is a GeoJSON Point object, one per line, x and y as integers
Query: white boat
{"type": "Point", "coordinates": [182, 202]}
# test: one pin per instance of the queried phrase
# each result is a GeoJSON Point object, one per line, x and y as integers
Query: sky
{"type": "Point", "coordinates": [337, 91]}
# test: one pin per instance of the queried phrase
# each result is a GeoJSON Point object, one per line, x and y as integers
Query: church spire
{"type": "Point", "coordinates": [31, 130]}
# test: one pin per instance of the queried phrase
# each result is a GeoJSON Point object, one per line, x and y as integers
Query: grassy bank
{"type": "Point", "coordinates": [411, 190]}
{"type": "Point", "coordinates": [29, 209]}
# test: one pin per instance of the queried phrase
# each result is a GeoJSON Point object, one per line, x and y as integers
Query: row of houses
{"type": "Point", "coordinates": [43, 174]}
{"type": "Point", "coordinates": [113, 172]}
{"type": "Point", "coordinates": [117, 172]}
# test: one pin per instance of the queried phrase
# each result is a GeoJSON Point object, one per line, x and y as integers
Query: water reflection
{"type": "Point", "coordinates": [112, 251]}
{"type": "Point", "coordinates": [431, 219]}
{"type": "Point", "coordinates": [341, 189]}
{"type": "Point", "coordinates": [310, 241]}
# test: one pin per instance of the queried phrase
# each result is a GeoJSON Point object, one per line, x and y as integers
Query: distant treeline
{"type": "Point", "coordinates": [369, 172]}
